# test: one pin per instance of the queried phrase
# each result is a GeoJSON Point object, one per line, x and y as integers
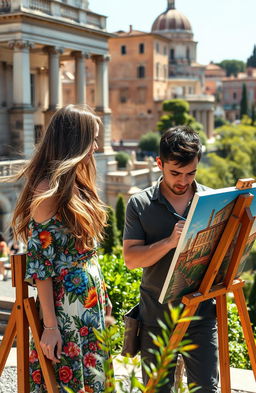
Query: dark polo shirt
{"type": "Point", "coordinates": [149, 217]}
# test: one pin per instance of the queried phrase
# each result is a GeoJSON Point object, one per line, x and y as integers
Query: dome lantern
{"type": "Point", "coordinates": [170, 4]}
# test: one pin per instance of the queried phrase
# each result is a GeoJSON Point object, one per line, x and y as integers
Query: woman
{"type": "Point", "coordinates": [4, 256]}
{"type": "Point", "coordinates": [61, 216]}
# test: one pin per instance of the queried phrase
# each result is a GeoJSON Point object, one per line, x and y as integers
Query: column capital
{"type": "Point", "coordinates": [80, 54]}
{"type": "Point", "coordinates": [101, 58]}
{"type": "Point", "coordinates": [20, 44]}
{"type": "Point", "coordinates": [54, 50]}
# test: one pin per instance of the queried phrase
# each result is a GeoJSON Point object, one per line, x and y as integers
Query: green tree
{"type": "Point", "coordinates": [122, 158]}
{"type": "Point", "coordinates": [111, 238]}
{"type": "Point", "coordinates": [120, 215]}
{"type": "Point", "coordinates": [251, 61]}
{"type": "Point", "coordinates": [253, 115]}
{"type": "Point", "coordinates": [150, 142]}
{"type": "Point", "coordinates": [243, 103]}
{"type": "Point", "coordinates": [232, 67]}
{"type": "Point", "coordinates": [179, 115]}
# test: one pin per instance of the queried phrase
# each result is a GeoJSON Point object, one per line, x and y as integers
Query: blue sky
{"type": "Point", "coordinates": [224, 29]}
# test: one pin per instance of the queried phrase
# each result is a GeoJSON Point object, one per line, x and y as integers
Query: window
{"type": "Point", "coordinates": [157, 70]}
{"type": "Point", "coordinates": [141, 95]}
{"type": "Point", "coordinates": [123, 49]}
{"type": "Point", "coordinates": [234, 95]}
{"type": "Point", "coordinates": [124, 95]}
{"type": "Point", "coordinates": [188, 54]}
{"type": "Point", "coordinates": [141, 72]}
{"type": "Point", "coordinates": [165, 50]}
{"type": "Point", "coordinates": [141, 48]}
{"type": "Point", "coordinates": [157, 47]}
{"type": "Point", "coordinates": [172, 55]}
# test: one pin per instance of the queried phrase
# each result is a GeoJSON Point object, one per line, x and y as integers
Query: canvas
{"type": "Point", "coordinates": [208, 215]}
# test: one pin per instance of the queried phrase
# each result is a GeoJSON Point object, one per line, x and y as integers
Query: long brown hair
{"type": "Point", "coordinates": [59, 158]}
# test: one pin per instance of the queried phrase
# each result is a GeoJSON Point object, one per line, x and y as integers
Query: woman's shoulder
{"type": "Point", "coordinates": [47, 208]}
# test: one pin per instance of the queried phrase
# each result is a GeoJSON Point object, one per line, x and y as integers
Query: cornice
{"type": "Point", "coordinates": [56, 23]}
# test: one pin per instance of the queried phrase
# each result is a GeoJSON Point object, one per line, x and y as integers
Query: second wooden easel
{"type": "Point", "coordinates": [24, 315]}
{"type": "Point", "coordinates": [241, 214]}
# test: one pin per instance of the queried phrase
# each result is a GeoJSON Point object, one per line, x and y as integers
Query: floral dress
{"type": "Point", "coordinates": [80, 300]}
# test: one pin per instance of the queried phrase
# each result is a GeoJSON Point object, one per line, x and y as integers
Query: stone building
{"type": "Point", "coordinates": [36, 37]}
{"type": "Point", "coordinates": [147, 68]}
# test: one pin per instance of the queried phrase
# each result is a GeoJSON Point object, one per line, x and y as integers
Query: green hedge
{"type": "Point", "coordinates": [122, 284]}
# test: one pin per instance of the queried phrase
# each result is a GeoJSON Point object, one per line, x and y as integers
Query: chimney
{"type": "Point", "coordinates": [130, 29]}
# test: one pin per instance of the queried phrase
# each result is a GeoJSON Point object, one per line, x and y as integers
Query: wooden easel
{"type": "Point", "coordinates": [24, 315]}
{"type": "Point", "coordinates": [241, 214]}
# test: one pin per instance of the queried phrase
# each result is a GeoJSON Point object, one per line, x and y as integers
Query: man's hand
{"type": "Point", "coordinates": [175, 235]}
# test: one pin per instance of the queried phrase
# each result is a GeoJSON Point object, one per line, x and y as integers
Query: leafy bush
{"type": "Point", "coordinates": [237, 347]}
{"type": "Point", "coordinates": [122, 284]}
{"type": "Point", "coordinates": [150, 142]}
{"type": "Point", "coordinates": [111, 236]}
{"type": "Point", "coordinates": [120, 215]}
{"type": "Point", "coordinates": [122, 158]}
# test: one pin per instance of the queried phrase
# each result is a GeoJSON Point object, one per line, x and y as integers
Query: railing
{"type": "Point", "coordinates": [40, 5]}
{"type": "Point", "coordinates": [77, 11]}
{"type": "Point", "coordinates": [5, 6]}
{"type": "Point", "coordinates": [8, 168]}
{"type": "Point", "coordinates": [69, 13]}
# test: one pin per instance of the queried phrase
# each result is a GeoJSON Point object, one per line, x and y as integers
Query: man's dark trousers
{"type": "Point", "coordinates": [201, 366]}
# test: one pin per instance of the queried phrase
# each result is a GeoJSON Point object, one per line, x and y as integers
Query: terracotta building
{"type": "Point", "coordinates": [147, 68]}
{"type": "Point", "coordinates": [232, 93]}
{"type": "Point", "coordinates": [144, 70]}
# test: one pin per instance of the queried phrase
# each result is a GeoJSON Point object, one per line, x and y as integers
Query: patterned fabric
{"type": "Point", "coordinates": [80, 299]}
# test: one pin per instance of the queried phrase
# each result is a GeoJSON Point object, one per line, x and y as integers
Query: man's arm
{"type": "Point", "coordinates": [137, 254]}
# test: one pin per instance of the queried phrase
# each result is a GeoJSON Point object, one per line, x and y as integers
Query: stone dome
{"type": "Point", "coordinates": [171, 20]}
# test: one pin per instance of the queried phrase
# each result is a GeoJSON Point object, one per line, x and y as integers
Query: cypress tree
{"type": "Point", "coordinates": [111, 233]}
{"type": "Point", "coordinates": [251, 61]}
{"type": "Point", "coordinates": [253, 115]}
{"type": "Point", "coordinates": [243, 103]}
{"type": "Point", "coordinates": [120, 215]}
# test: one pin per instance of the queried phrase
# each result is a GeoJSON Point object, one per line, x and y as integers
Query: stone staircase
{"type": "Point", "coordinates": [5, 312]}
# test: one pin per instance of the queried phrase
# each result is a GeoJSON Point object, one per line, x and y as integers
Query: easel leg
{"type": "Point", "coordinates": [222, 318]}
{"type": "Point", "coordinates": [246, 325]}
{"type": "Point", "coordinates": [10, 333]}
{"type": "Point", "coordinates": [45, 364]}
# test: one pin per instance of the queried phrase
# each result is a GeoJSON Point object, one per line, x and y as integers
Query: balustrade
{"type": "Point", "coordinates": [8, 168]}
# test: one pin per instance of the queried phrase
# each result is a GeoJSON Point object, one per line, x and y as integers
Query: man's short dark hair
{"type": "Point", "coordinates": [181, 144]}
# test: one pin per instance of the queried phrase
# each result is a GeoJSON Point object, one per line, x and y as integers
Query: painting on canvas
{"type": "Point", "coordinates": [204, 226]}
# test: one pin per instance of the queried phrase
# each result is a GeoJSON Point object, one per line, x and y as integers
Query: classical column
{"type": "Point", "coordinates": [21, 114]}
{"type": "Point", "coordinates": [4, 134]}
{"type": "Point", "coordinates": [105, 153]}
{"type": "Point", "coordinates": [21, 73]}
{"type": "Point", "coordinates": [53, 81]}
{"type": "Point", "coordinates": [80, 80]}
{"type": "Point", "coordinates": [102, 85]}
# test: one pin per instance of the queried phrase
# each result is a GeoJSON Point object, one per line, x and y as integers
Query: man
{"type": "Point", "coordinates": [152, 231]}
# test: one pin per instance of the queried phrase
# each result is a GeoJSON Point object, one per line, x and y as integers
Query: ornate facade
{"type": "Point", "coordinates": [36, 37]}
